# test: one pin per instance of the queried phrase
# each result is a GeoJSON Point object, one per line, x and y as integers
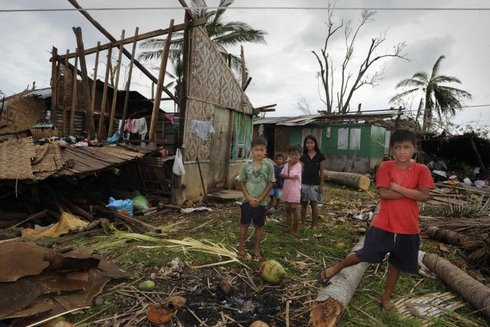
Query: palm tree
{"type": "Point", "coordinates": [223, 34]}
{"type": "Point", "coordinates": [441, 98]}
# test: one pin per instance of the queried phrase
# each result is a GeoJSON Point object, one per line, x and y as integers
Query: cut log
{"type": "Point", "coordinates": [135, 223]}
{"type": "Point", "coordinates": [354, 180]}
{"type": "Point", "coordinates": [333, 299]}
{"type": "Point", "coordinates": [470, 289]}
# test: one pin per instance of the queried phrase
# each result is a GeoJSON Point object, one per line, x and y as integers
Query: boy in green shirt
{"type": "Point", "coordinates": [256, 180]}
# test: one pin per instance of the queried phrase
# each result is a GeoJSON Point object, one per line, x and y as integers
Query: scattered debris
{"type": "Point", "coordinates": [427, 306]}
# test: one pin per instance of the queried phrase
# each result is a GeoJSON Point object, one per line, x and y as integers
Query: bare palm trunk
{"type": "Point", "coordinates": [333, 299]}
{"type": "Point", "coordinates": [472, 290]}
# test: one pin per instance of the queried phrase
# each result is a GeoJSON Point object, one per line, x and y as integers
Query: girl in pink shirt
{"type": "Point", "coordinates": [291, 191]}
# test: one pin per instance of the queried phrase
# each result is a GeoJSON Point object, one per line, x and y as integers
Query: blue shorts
{"type": "Point", "coordinates": [255, 214]}
{"type": "Point", "coordinates": [276, 192]}
{"type": "Point", "coordinates": [403, 249]}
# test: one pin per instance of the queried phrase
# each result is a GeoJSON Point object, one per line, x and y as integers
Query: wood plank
{"type": "Point", "coordinates": [115, 87]}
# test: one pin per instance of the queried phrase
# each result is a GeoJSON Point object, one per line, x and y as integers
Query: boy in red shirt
{"type": "Point", "coordinates": [395, 229]}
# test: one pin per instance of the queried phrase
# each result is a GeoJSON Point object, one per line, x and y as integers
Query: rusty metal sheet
{"type": "Point", "coordinates": [18, 259]}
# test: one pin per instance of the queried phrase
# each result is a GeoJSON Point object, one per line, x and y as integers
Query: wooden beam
{"type": "Point", "coordinates": [247, 84]}
{"type": "Point", "coordinates": [265, 107]}
{"type": "Point", "coordinates": [116, 82]}
{"type": "Point", "coordinates": [130, 40]}
{"type": "Point", "coordinates": [73, 95]}
{"type": "Point", "coordinates": [94, 85]}
{"type": "Point", "coordinates": [187, 10]}
{"type": "Point", "coordinates": [112, 39]}
{"type": "Point", "coordinates": [101, 130]}
{"type": "Point", "coordinates": [128, 82]}
{"type": "Point", "coordinates": [184, 90]}
{"type": "Point", "coordinates": [161, 78]}
{"type": "Point", "coordinates": [55, 75]}
{"type": "Point", "coordinates": [66, 89]}
{"type": "Point", "coordinates": [89, 117]}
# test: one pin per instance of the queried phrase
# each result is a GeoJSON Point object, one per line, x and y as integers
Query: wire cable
{"type": "Point", "coordinates": [19, 10]}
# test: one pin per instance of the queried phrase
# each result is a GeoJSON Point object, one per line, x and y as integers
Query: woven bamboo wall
{"type": "Point", "coordinates": [21, 114]}
{"type": "Point", "coordinates": [212, 88]}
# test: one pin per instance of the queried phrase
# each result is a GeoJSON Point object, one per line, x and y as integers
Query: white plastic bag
{"type": "Point", "coordinates": [178, 167]}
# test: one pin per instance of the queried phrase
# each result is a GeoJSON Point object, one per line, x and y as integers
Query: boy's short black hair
{"type": "Point", "coordinates": [401, 135]}
{"type": "Point", "coordinates": [294, 148]}
{"type": "Point", "coordinates": [259, 141]}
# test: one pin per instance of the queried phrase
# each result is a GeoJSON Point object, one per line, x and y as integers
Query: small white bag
{"type": "Point", "coordinates": [178, 167]}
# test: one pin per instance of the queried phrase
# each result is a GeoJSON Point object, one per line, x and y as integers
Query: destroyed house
{"type": "Point", "coordinates": [351, 142]}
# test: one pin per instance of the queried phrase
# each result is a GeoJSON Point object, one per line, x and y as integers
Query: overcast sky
{"type": "Point", "coordinates": [283, 70]}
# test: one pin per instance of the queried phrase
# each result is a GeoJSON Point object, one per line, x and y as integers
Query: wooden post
{"type": "Point", "coordinates": [183, 93]}
{"type": "Point", "coordinates": [112, 39]}
{"type": "Point", "coordinates": [128, 83]}
{"type": "Point", "coordinates": [55, 73]}
{"type": "Point", "coordinates": [66, 89]}
{"type": "Point", "coordinates": [161, 78]}
{"type": "Point", "coordinates": [243, 68]}
{"type": "Point", "coordinates": [74, 95]}
{"type": "Point", "coordinates": [94, 83]}
{"type": "Point", "coordinates": [114, 96]}
{"type": "Point", "coordinates": [477, 154]}
{"type": "Point", "coordinates": [101, 129]}
{"type": "Point", "coordinates": [89, 117]}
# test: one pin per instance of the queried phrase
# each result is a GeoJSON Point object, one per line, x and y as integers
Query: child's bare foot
{"type": "Point", "coordinates": [241, 255]}
{"type": "Point", "coordinates": [325, 275]}
{"type": "Point", "coordinates": [387, 304]}
{"type": "Point", "coordinates": [257, 256]}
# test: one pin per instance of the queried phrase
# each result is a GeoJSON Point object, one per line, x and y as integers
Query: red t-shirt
{"type": "Point", "coordinates": [401, 215]}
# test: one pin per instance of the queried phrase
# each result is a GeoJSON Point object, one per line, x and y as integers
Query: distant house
{"type": "Point", "coordinates": [351, 142]}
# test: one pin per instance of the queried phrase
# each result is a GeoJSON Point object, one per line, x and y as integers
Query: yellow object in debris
{"type": "Point", "coordinates": [66, 223]}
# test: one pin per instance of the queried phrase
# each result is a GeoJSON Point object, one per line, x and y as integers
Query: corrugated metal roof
{"type": "Point", "coordinates": [321, 118]}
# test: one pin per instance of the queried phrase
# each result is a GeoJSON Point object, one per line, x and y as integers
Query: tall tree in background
{"type": "Point", "coordinates": [350, 78]}
{"type": "Point", "coordinates": [437, 97]}
{"type": "Point", "coordinates": [223, 34]}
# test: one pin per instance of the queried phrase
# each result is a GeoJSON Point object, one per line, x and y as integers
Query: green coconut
{"type": "Point", "coordinates": [146, 286]}
{"type": "Point", "coordinates": [272, 272]}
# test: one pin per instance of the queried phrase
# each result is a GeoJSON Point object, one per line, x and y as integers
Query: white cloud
{"type": "Point", "coordinates": [284, 69]}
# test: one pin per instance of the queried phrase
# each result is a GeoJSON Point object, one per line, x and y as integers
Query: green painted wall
{"type": "Point", "coordinates": [295, 135]}
{"type": "Point", "coordinates": [372, 139]}
{"type": "Point", "coordinates": [378, 136]}
{"type": "Point", "coordinates": [242, 135]}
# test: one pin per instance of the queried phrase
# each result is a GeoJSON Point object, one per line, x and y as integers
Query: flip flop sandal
{"type": "Point", "coordinates": [257, 257]}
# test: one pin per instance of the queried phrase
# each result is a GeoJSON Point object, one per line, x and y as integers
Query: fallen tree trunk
{"type": "Point", "coordinates": [446, 235]}
{"type": "Point", "coordinates": [476, 249]}
{"type": "Point", "coordinates": [470, 289]}
{"type": "Point", "coordinates": [334, 298]}
{"type": "Point", "coordinates": [354, 180]}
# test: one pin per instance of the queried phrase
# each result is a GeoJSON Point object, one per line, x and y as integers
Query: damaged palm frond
{"type": "Point", "coordinates": [474, 207]}
{"type": "Point", "coordinates": [187, 244]}
{"type": "Point", "coordinates": [426, 308]}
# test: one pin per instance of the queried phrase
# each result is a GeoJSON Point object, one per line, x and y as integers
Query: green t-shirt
{"type": "Point", "coordinates": [256, 179]}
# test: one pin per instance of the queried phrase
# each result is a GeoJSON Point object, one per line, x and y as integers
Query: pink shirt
{"type": "Point", "coordinates": [291, 190]}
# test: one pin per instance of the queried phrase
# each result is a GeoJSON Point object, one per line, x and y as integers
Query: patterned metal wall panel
{"type": "Point", "coordinates": [211, 80]}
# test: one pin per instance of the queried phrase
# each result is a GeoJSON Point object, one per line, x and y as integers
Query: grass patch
{"type": "Point", "coordinates": [302, 256]}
